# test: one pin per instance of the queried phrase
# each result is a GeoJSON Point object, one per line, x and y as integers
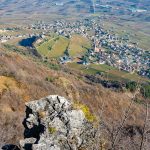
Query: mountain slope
{"type": "Point", "coordinates": [24, 79]}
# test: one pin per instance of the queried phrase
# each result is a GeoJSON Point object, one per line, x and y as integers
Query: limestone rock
{"type": "Point", "coordinates": [52, 123]}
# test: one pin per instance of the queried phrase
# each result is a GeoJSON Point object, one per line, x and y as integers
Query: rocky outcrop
{"type": "Point", "coordinates": [52, 123]}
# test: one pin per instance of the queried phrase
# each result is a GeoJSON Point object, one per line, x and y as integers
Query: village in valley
{"type": "Point", "coordinates": [107, 47]}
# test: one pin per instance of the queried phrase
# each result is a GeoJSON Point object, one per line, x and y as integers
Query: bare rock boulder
{"type": "Point", "coordinates": [52, 123]}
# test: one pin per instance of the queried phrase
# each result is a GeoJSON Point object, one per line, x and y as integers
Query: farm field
{"type": "Point", "coordinates": [109, 72]}
{"type": "Point", "coordinates": [55, 47]}
{"type": "Point", "coordinates": [78, 45]}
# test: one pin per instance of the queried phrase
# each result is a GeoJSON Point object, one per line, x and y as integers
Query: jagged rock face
{"type": "Point", "coordinates": [52, 123]}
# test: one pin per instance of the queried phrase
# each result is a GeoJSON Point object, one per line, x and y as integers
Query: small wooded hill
{"type": "Point", "coordinates": [23, 78]}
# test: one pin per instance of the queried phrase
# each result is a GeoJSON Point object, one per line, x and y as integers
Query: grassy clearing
{"type": "Point", "coordinates": [78, 45]}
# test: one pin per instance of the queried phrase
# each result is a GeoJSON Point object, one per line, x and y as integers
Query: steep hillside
{"type": "Point", "coordinates": [24, 79]}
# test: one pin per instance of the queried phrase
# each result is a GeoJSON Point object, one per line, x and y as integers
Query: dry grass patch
{"type": "Point", "coordinates": [7, 83]}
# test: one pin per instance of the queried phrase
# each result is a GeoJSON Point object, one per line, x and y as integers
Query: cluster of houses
{"type": "Point", "coordinates": [4, 36]}
{"type": "Point", "coordinates": [120, 53]}
{"type": "Point", "coordinates": [107, 48]}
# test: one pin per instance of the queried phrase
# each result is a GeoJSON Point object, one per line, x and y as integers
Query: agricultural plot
{"type": "Point", "coordinates": [59, 47]}
{"type": "Point", "coordinates": [45, 47]}
{"type": "Point", "coordinates": [78, 45]}
{"type": "Point", "coordinates": [54, 47]}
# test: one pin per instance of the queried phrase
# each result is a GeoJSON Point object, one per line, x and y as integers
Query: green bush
{"type": "Point", "coordinates": [145, 90]}
{"type": "Point", "coordinates": [138, 101]}
{"type": "Point", "coordinates": [132, 86]}
{"type": "Point", "coordinates": [54, 66]}
{"type": "Point", "coordinates": [49, 79]}
{"type": "Point", "coordinates": [49, 48]}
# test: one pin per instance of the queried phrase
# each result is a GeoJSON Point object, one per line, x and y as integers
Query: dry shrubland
{"type": "Point", "coordinates": [23, 80]}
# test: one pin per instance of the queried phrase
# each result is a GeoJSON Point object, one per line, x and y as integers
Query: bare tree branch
{"type": "Point", "coordinates": [144, 128]}
{"type": "Point", "coordinates": [121, 125]}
